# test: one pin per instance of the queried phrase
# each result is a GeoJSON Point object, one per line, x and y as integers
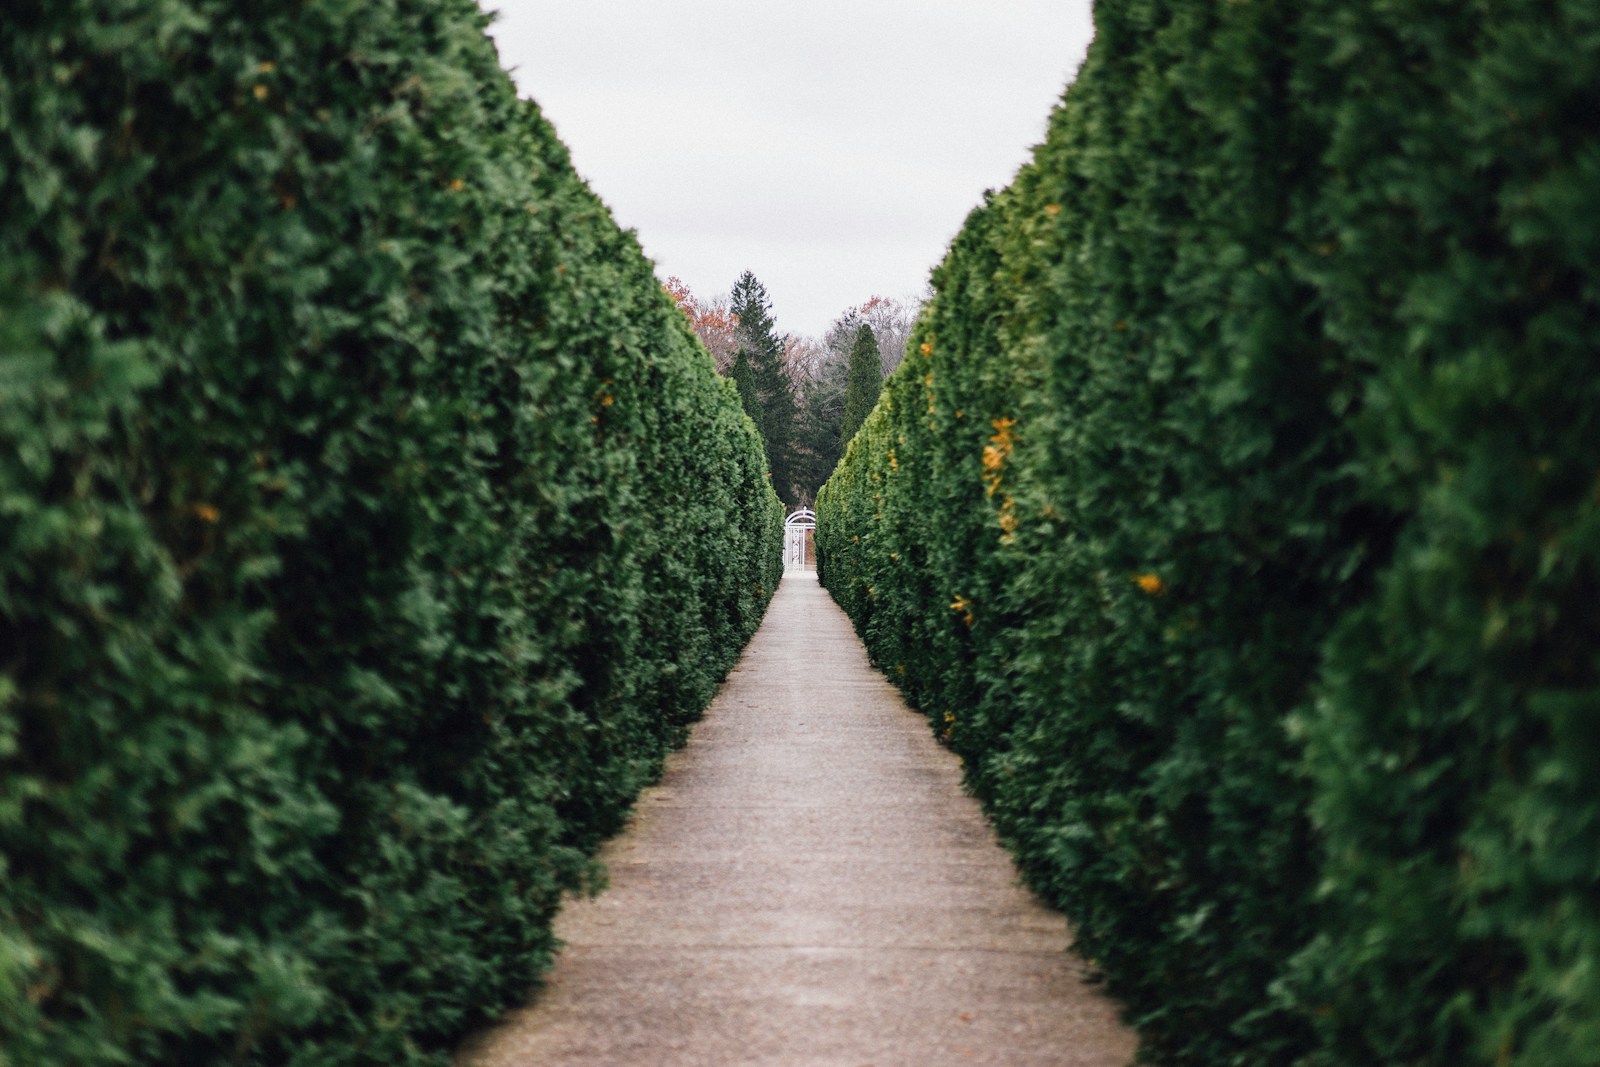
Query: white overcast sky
{"type": "Point", "coordinates": [832, 147]}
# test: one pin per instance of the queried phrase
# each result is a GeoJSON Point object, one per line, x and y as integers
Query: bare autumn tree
{"type": "Point", "coordinates": [820, 366]}
{"type": "Point", "coordinates": [891, 320]}
{"type": "Point", "coordinates": [712, 321]}
{"type": "Point", "coordinates": [819, 393]}
{"type": "Point", "coordinates": [808, 360]}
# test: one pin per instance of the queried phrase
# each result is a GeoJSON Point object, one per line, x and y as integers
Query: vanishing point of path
{"type": "Point", "coordinates": [809, 885]}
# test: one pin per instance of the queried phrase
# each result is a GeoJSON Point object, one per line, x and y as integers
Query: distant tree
{"type": "Point", "coordinates": [839, 340]}
{"type": "Point", "coordinates": [745, 382]}
{"type": "Point", "coordinates": [817, 436]}
{"type": "Point", "coordinates": [804, 358]}
{"type": "Point", "coordinates": [817, 370]}
{"type": "Point", "coordinates": [863, 384]}
{"type": "Point", "coordinates": [711, 321]}
{"type": "Point", "coordinates": [819, 397]}
{"type": "Point", "coordinates": [771, 392]}
{"type": "Point", "coordinates": [891, 321]}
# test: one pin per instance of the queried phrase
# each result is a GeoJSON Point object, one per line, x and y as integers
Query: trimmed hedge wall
{"type": "Point", "coordinates": [1235, 517]}
{"type": "Point", "coordinates": [371, 524]}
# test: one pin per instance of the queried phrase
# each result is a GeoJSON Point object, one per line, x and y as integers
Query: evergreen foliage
{"type": "Point", "coordinates": [744, 384]}
{"type": "Point", "coordinates": [864, 383]}
{"type": "Point", "coordinates": [819, 437]}
{"type": "Point", "coordinates": [1234, 516]}
{"type": "Point", "coordinates": [817, 440]}
{"type": "Point", "coordinates": [370, 526]}
{"type": "Point", "coordinates": [769, 398]}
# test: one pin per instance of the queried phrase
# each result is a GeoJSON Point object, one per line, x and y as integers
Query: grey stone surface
{"type": "Point", "coordinates": [809, 885]}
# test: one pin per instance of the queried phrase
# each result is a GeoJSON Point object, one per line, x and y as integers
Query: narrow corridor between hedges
{"type": "Point", "coordinates": [808, 884]}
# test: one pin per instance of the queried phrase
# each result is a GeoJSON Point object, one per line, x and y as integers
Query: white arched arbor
{"type": "Point", "coordinates": [797, 538]}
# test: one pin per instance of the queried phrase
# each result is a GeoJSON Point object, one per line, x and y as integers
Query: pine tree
{"type": "Point", "coordinates": [770, 392]}
{"type": "Point", "coordinates": [744, 381]}
{"type": "Point", "coordinates": [864, 383]}
{"type": "Point", "coordinates": [817, 437]}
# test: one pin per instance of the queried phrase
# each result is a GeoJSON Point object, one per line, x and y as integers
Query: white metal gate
{"type": "Point", "coordinates": [797, 532]}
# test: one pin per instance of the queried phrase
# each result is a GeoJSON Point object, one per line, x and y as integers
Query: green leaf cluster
{"type": "Point", "coordinates": [371, 524]}
{"type": "Point", "coordinates": [1234, 516]}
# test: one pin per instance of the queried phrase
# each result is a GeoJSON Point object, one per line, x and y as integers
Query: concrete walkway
{"type": "Point", "coordinates": [808, 885]}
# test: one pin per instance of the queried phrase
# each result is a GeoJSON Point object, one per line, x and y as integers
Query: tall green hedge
{"type": "Point", "coordinates": [1235, 517]}
{"type": "Point", "coordinates": [370, 525]}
